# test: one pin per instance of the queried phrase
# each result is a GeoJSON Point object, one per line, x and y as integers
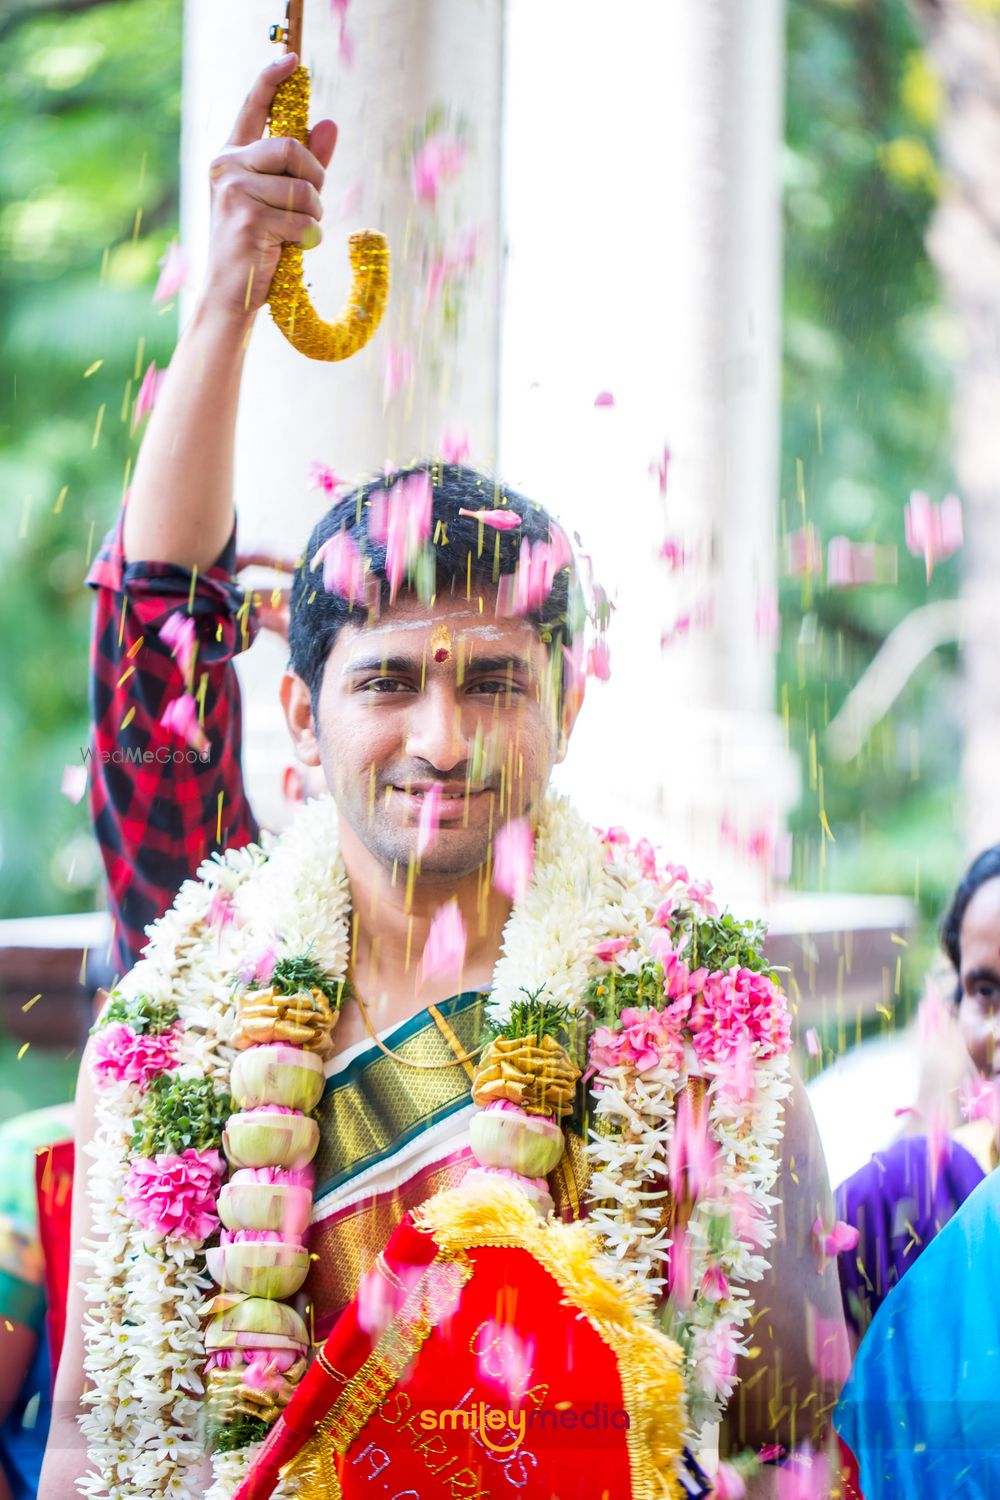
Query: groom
{"type": "Point", "coordinates": [404, 701]}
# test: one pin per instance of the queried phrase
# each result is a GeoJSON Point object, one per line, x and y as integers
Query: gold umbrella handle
{"type": "Point", "coordinates": [369, 250]}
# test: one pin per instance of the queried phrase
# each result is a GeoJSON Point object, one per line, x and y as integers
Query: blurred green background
{"type": "Point", "coordinates": [90, 116]}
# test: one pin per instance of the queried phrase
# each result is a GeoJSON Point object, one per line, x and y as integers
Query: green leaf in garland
{"type": "Point", "coordinates": [181, 1114]}
{"type": "Point", "coordinates": [141, 1012]}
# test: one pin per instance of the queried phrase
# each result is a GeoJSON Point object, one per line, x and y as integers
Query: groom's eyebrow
{"type": "Point", "coordinates": [379, 663]}
{"type": "Point", "coordinates": [376, 663]}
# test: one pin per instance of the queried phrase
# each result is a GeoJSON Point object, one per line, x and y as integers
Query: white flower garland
{"type": "Point", "coordinates": [144, 1345]}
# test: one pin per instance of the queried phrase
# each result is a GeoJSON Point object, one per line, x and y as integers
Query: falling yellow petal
{"type": "Point", "coordinates": [92, 369]}
{"type": "Point", "coordinates": [23, 1050]}
{"type": "Point", "coordinates": [128, 717]}
{"type": "Point", "coordinates": [29, 1003]}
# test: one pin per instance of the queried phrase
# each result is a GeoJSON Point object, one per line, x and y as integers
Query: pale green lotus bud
{"type": "Point", "coordinates": [530, 1145]}
{"type": "Point", "coordinates": [277, 1074]}
{"type": "Point", "coordinates": [264, 1205]}
{"type": "Point", "coordinates": [267, 1268]}
{"type": "Point", "coordinates": [254, 1323]}
{"type": "Point", "coordinates": [267, 1138]}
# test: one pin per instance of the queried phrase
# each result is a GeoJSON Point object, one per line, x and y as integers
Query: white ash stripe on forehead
{"type": "Point", "coordinates": [487, 632]}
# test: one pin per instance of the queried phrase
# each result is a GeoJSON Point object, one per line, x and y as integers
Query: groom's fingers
{"type": "Point", "coordinates": [322, 140]}
{"type": "Point", "coordinates": [252, 118]}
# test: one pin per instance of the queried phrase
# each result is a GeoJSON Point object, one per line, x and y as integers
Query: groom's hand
{"type": "Point", "coordinates": [264, 193]}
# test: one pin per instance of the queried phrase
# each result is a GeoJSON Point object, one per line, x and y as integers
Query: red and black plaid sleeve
{"type": "Point", "coordinates": [159, 807]}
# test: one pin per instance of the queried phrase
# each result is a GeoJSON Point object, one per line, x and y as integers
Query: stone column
{"type": "Point", "coordinates": [642, 149]}
{"type": "Point", "coordinates": [407, 66]}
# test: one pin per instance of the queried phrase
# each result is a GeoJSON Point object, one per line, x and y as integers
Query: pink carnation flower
{"type": "Point", "coordinates": [175, 1195]}
{"type": "Point", "coordinates": [646, 1039]}
{"type": "Point", "coordinates": [122, 1055]}
{"type": "Point", "coordinates": [739, 1009]}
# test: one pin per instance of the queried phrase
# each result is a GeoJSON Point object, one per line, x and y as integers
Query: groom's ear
{"type": "Point", "coordinates": [296, 700]}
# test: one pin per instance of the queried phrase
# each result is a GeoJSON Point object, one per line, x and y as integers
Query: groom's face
{"type": "Point", "coordinates": [445, 695]}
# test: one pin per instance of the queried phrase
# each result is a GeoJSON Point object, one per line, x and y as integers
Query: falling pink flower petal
{"type": "Point", "coordinates": [826, 1343]}
{"type": "Point", "coordinates": [513, 858]}
{"type": "Point", "coordinates": [673, 554]}
{"type": "Point", "coordinates": [769, 1453]}
{"type": "Point", "coordinates": [502, 520]}
{"type": "Point", "coordinates": [804, 1476]}
{"type": "Point", "coordinates": [180, 717]}
{"type": "Point", "coordinates": [173, 273]}
{"type": "Point", "coordinates": [399, 367]}
{"type": "Point", "coordinates": [430, 812]}
{"type": "Point", "coordinates": [599, 661]}
{"type": "Point", "coordinates": [728, 1484]}
{"type": "Point", "coordinates": [604, 398]}
{"type": "Point", "coordinates": [400, 519]}
{"type": "Point", "coordinates": [454, 445]}
{"type": "Point", "coordinates": [351, 200]}
{"type": "Point", "coordinates": [659, 467]}
{"type": "Point", "coordinates": [766, 617]}
{"type": "Point", "coordinates": [933, 532]}
{"type": "Point", "coordinates": [149, 390]}
{"type": "Point", "coordinates": [609, 948]}
{"type": "Point", "coordinates": [527, 588]}
{"type": "Point", "coordinates": [980, 1100]}
{"type": "Point", "coordinates": [803, 552]}
{"type": "Point", "coordinates": [322, 477]}
{"type": "Point", "coordinates": [438, 161]}
{"type": "Point", "coordinates": [852, 564]}
{"type": "Point", "coordinates": [679, 1272]}
{"type": "Point", "coordinates": [74, 782]}
{"type": "Point", "coordinates": [220, 909]}
{"type": "Point", "coordinates": [829, 1243]}
{"type": "Point", "coordinates": [812, 1042]}
{"type": "Point", "coordinates": [504, 1359]}
{"type": "Point", "coordinates": [345, 46]}
{"type": "Point", "coordinates": [444, 951]}
{"type": "Point", "coordinates": [692, 1151]}
{"type": "Point", "coordinates": [343, 566]}
{"type": "Point", "coordinates": [178, 632]}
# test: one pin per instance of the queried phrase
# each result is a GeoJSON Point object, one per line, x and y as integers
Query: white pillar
{"type": "Point", "coordinates": [641, 178]}
{"type": "Point", "coordinates": [409, 56]}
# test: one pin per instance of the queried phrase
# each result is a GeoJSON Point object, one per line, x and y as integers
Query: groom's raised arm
{"type": "Point", "coordinates": [264, 193]}
{"type": "Point", "coordinates": [168, 564]}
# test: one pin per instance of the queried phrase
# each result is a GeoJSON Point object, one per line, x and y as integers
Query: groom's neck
{"type": "Point", "coordinates": [391, 921]}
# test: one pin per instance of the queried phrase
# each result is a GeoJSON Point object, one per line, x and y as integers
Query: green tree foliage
{"type": "Point", "coordinates": [89, 116]}
{"type": "Point", "coordinates": [866, 420]}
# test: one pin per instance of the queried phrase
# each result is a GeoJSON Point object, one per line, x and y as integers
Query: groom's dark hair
{"type": "Point", "coordinates": [464, 551]}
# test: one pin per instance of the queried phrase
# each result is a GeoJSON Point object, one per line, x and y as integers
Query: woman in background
{"type": "Point", "coordinates": [905, 1195]}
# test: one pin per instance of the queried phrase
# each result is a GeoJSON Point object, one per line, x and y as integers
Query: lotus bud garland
{"type": "Point", "coordinates": [504, 1136]}
{"type": "Point", "coordinates": [247, 1203]}
{"type": "Point", "coordinates": [260, 1268]}
{"type": "Point", "coordinates": [277, 1074]}
{"type": "Point", "coordinates": [242, 1322]}
{"type": "Point", "coordinates": [270, 1137]}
